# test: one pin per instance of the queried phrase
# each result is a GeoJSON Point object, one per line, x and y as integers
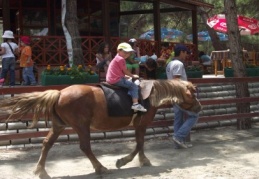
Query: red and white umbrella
{"type": "Point", "coordinates": [246, 25]}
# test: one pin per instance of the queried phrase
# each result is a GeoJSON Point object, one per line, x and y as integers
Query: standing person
{"type": "Point", "coordinates": [8, 51]}
{"type": "Point", "coordinates": [103, 57]}
{"type": "Point", "coordinates": [166, 54]}
{"type": "Point", "coordinates": [183, 120]}
{"type": "Point", "coordinates": [117, 71]}
{"type": "Point", "coordinates": [26, 61]}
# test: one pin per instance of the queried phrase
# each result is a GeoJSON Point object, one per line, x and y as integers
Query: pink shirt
{"type": "Point", "coordinates": [115, 69]}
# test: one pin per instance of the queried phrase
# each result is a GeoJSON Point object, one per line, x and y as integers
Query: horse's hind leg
{"type": "Point", "coordinates": [84, 138]}
{"type": "Point", "coordinates": [47, 144]}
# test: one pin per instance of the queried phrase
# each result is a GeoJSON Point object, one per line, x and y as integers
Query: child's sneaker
{"type": "Point", "coordinates": [138, 107]}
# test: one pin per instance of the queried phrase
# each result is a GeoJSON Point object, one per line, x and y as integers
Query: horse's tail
{"type": "Point", "coordinates": [39, 103]}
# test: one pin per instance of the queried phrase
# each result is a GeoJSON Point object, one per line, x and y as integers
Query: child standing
{"type": "Point", "coordinates": [103, 57]}
{"type": "Point", "coordinates": [26, 62]}
{"type": "Point", "coordinates": [117, 71]}
{"type": "Point", "coordinates": [132, 62]}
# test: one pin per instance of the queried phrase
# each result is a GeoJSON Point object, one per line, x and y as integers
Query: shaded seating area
{"type": "Point", "coordinates": [221, 59]}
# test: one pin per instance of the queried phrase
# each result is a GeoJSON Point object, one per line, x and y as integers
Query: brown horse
{"type": "Point", "coordinates": [84, 107]}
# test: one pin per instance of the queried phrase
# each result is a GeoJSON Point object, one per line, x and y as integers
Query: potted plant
{"type": "Point", "coordinates": [251, 70]}
{"type": "Point", "coordinates": [64, 75]}
{"type": "Point", "coordinates": [92, 77]}
{"type": "Point", "coordinates": [194, 72]}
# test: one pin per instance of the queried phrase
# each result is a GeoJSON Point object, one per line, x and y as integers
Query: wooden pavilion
{"type": "Point", "coordinates": [98, 20]}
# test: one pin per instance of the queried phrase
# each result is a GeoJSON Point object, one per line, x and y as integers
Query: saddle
{"type": "Point", "coordinates": [118, 100]}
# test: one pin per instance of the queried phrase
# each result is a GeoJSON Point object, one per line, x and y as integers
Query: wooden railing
{"type": "Point", "coordinates": [156, 123]}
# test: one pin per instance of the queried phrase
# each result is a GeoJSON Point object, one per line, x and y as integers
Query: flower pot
{"type": "Point", "coordinates": [49, 80]}
{"type": "Point", "coordinates": [63, 80]}
{"type": "Point", "coordinates": [228, 72]}
{"type": "Point", "coordinates": [251, 71]}
{"type": "Point", "coordinates": [92, 78]}
{"type": "Point", "coordinates": [194, 74]}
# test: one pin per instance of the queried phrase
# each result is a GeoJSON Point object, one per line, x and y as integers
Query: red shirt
{"type": "Point", "coordinates": [115, 69]}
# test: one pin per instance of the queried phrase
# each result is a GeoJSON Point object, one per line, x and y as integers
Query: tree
{"type": "Point", "coordinates": [237, 61]}
{"type": "Point", "coordinates": [70, 28]}
{"type": "Point", "coordinates": [216, 43]}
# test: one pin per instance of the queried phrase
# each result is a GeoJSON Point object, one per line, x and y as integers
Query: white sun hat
{"type": "Point", "coordinates": [132, 40]}
{"type": "Point", "coordinates": [125, 47]}
{"type": "Point", "coordinates": [8, 34]}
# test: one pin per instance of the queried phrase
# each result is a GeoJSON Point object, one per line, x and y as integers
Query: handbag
{"type": "Point", "coordinates": [16, 56]}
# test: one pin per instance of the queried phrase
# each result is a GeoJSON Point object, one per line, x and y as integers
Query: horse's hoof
{"type": "Point", "coordinates": [145, 163]}
{"type": "Point", "coordinates": [120, 163]}
{"type": "Point", "coordinates": [42, 174]}
{"type": "Point", "coordinates": [101, 170]}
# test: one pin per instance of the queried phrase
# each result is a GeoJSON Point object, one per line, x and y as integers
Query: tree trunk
{"type": "Point", "coordinates": [71, 24]}
{"type": "Point", "coordinates": [216, 43]}
{"type": "Point", "coordinates": [66, 33]}
{"type": "Point", "coordinates": [236, 56]}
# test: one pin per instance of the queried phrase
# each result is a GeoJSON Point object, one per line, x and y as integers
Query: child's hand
{"type": "Point", "coordinates": [135, 76]}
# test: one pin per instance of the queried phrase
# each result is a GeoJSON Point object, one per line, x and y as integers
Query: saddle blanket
{"type": "Point", "coordinates": [119, 102]}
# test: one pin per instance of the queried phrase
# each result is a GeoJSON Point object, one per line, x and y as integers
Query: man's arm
{"type": "Point", "coordinates": [177, 77]}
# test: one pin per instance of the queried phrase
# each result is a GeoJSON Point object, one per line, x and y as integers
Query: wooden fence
{"type": "Point", "coordinates": [162, 122]}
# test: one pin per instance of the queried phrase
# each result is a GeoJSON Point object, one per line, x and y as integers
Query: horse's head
{"type": "Point", "coordinates": [190, 101]}
{"type": "Point", "coordinates": [179, 92]}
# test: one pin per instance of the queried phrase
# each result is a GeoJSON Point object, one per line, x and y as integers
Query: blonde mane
{"type": "Point", "coordinates": [170, 92]}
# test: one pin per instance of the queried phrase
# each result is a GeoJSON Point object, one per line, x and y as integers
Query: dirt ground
{"type": "Point", "coordinates": [220, 153]}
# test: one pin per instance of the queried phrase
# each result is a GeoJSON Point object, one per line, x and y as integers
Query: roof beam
{"type": "Point", "coordinates": [151, 11]}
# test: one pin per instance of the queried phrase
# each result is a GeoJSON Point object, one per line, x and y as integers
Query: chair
{"type": "Point", "coordinates": [249, 57]}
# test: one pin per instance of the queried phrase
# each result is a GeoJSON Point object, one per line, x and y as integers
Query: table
{"type": "Point", "coordinates": [222, 57]}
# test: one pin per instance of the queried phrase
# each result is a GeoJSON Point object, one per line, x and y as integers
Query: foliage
{"type": "Point", "coordinates": [73, 72]}
{"type": "Point", "coordinates": [249, 65]}
{"type": "Point", "coordinates": [90, 70]}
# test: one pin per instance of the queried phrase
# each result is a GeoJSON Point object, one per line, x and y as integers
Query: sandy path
{"type": "Point", "coordinates": [221, 153]}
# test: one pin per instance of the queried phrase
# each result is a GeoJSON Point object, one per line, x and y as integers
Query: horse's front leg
{"type": "Point", "coordinates": [140, 135]}
{"type": "Point", "coordinates": [140, 124]}
{"type": "Point", "coordinates": [144, 161]}
{"type": "Point", "coordinates": [123, 161]}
